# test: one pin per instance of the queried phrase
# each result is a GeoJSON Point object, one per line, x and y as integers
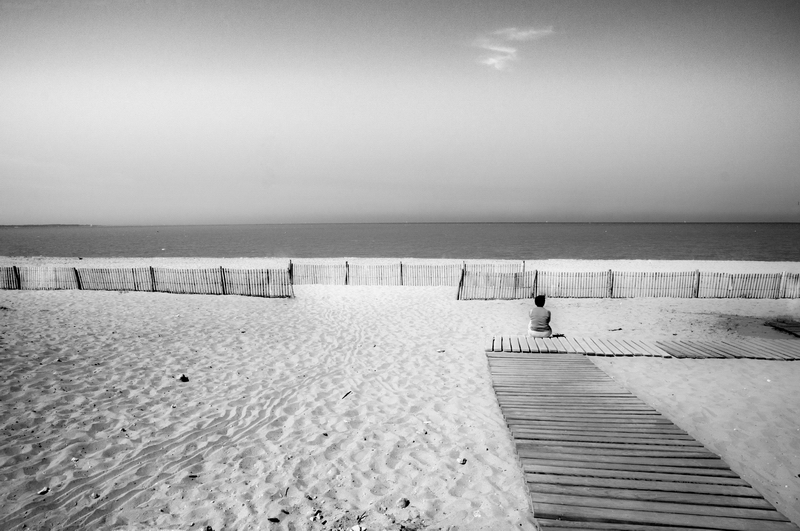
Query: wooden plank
{"type": "Point", "coordinates": [613, 461]}
{"type": "Point", "coordinates": [655, 429]}
{"type": "Point", "coordinates": [560, 347]}
{"type": "Point", "coordinates": [635, 349]}
{"type": "Point", "coordinates": [747, 350]}
{"type": "Point", "coordinates": [699, 350]}
{"type": "Point", "coordinates": [672, 508]}
{"type": "Point", "coordinates": [573, 525]}
{"type": "Point", "coordinates": [506, 343]}
{"type": "Point", "coordinates": [620, 451]}
{"type": "Point", "coordinates": [619, 346]}
{"type": "Point", "coordinates": [518, 420]}
{"type": "Point", "coordinates": [612, 447]}
{"type": "Point", "coordinates": [675, 350]}
{"type": "Point", "coordinates": [617, 401]}
{"type": "Point", "coordinates": [538, 467]}
{"type": "Point", "coordinates": [515, 347]}
{"type": "Point", "coordinates": [639, 348]}
{"type": "Point", "coordinates": [606, 345]}
{"type": "Point", "coordinates": [740, 495]}
{"type": "Point", "coordinates": [790, 327]}
{"type": "Point", "coordinates": [523, 343]}
{"type": "Point", "coordinates": [611, 439]}
{"type": "Point", "coordinates": [549, 346]}
{"type": "Point", "coordinates": [489, 344]}
{"type": "Point", "coordinates": [709, 346]}
{"type": "Point", "coordinates": [647, 494]}
{"type": "Point", "coordinates": [654, 437]}
{"type": "Point", "coordinates": [578, 411]}
{"type": "Point", "coordinates": [770, 349]}
{"type": "Point", "coordinates": [574, 344]}
{"type": "Point", "coordinates": [730, 350]}
{"type": "Point", "coordinates": [615, 514]}
{"type": "Point", "coordinates": [599, 348]}
{"type": "Point", "coordinates": [566, 345]}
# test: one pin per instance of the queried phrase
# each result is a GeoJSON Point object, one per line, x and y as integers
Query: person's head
{"type": "Point", "coordinates": [539, 300]}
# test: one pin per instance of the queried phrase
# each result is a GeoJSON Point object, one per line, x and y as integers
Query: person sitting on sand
{"type": "Point", "coordinates": [540, 319]}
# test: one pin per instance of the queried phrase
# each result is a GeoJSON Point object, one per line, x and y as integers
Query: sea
{"type": "Point", "coordinates": [504, 241]}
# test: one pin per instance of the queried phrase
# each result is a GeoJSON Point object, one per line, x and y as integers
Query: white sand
{"type": "Point", "coordinates": [340, 396]}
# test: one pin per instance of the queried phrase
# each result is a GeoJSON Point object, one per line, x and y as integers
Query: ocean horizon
{"type": "Point", "coordinates": [470, 240]}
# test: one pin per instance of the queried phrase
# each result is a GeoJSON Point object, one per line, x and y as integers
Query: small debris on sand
{"type": "Point", "coordinates": [184, 378]}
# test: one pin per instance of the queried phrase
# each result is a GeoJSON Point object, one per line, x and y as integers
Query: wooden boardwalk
{"type": "Point", "coordinates": [597, 457]}
{"type": "Point", "coordinates": [761, 349]}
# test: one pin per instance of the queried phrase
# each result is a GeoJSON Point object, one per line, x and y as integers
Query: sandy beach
{"type": "Point", "coordinates": [345, 406]}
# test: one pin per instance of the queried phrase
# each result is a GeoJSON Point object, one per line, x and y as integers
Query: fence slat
{"type": "Point", "coordinates": [8, 278]}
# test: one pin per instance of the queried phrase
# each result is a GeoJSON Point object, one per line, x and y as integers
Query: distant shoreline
{"type": "Point", "coordinates": [112, 226]}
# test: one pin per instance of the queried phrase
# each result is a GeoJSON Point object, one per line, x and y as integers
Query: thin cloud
{"type": "Point", "coordinates": [500, 54]}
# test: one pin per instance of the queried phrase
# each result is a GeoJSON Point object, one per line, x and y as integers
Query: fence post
{"type": "Point", "coordinates": [401, 273]}
{"type": "Point", "coordinates": [17, 277]}
{"type": "Point", "coordinates": [461, 283]}
{"type": "Point", "coordinates": [782, 286]}
{"type": "Point", "coordinates": [222, 280]}
{"type": "Point", "coordinates": [153, 278]}
{"type": "Point", "coordinates": [696, 288]}
{"type": "Point", "coordinates": [346, 273]}
{"type": "Point", "coordinates": [291, 273]}
{"type": "Point", "coordinates": [535, 282]}
{"type": "Point", "coordinates": [610, 290]}
{"type": "Point", "coordinates": [77, 278]}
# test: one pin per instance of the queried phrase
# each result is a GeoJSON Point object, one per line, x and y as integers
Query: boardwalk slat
{"type": "Point", "coordinates": [743, 507]}
{"type": "Point", "coordinates": [745, 496]}
{"type": "Point", "coordinates": [616, 513]}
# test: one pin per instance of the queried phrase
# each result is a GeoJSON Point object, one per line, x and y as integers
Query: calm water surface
{"type": "Point", "coordinates": [590, 241]}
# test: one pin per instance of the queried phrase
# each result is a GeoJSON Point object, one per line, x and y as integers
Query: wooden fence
{"type": "Point", "coordinates": [47, 278]}
{"type": "Point", "coordinates": [626, 284]}
{"type": "Point", "coordinates": [374, 275]}
{"type": "Point", "coordinates": [487, 286]}
{"type": "Point", "coordinates": [480, 280]}
{"type": "Point", "coordinates": [9, 278]}
{"type": "Point", "coordinates": [272, 283]}
{"type": "Point", "coordinates": [212, 281]}
{"type": "Point", "coordinates": [319, 273]}
{"type": "Point", "coordinates": [574, 284]}
{"type": "Point", "coordinates": [790, 288]}
{"type": "Point", "coordinates": [494, 268]}
{"type": "Point", "coordinates": [392, 274]}
{"type": "Point", "coordinates": [431, 275]}
{"type": "Point", "coordinates": [748, 286]}
{"type": "Point", "coordinates": [121, 279]}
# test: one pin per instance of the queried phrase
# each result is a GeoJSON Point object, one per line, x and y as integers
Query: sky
{"type": "Point", "coordinates": [145, 112]}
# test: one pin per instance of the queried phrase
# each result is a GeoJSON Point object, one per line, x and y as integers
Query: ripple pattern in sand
{"type": "Point", "coordinates": [322, 405]}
